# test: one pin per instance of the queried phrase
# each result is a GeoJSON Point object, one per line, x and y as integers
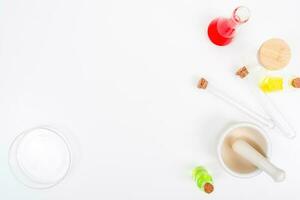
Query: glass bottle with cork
{"type": "Point", "coordinates": [221, 30]}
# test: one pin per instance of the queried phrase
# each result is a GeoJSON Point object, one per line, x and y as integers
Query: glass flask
{"type": "Point", "coordinates": [221, 31]}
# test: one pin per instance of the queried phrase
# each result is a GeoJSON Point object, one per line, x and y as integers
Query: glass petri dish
{"type": "Point", "coordinates": [40, 157]}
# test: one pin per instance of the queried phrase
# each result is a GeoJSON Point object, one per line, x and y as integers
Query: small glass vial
{"type": "Point", "coordinates": [203, 179]}
{"type": "Point", "coordinates": [271, 84]}
{"type": "Point", "coordinates": [221, 31]}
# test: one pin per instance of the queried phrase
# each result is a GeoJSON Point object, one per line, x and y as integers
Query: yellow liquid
{"type": "Point", "coordinates": [271, 84]}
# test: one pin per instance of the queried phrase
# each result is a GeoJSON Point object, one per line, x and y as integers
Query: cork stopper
{"type": "Point", "coordinates": [202, 84]}
{"type": "Point", "coordinates": [296, 82]}
{"type": "Point", "coordinates": [242, 72]}
{"type": "Point", "coordinates": [208, 188]}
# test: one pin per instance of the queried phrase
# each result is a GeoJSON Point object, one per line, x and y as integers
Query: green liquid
{"type": "Point", "coordinates": [201, 176]}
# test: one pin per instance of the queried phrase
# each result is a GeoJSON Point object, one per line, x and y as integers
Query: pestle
{"type": "Point", "coordinates": [245, 150]}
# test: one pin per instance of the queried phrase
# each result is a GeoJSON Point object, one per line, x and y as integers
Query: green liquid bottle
{"type": "Point", "coordinates": [203, 179]}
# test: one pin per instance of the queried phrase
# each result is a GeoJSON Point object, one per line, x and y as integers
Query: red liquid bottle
{"type": "Point", "coordinates": [221, 30]}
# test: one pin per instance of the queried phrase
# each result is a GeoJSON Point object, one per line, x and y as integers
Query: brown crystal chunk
{"type": "Point", "coordinates": [242, 72]}
{"type": "Point", "coordinates": [202, 84]}
{"type": "Point", "coordinates": [296, 82]}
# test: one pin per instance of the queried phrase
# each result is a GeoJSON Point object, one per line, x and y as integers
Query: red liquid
{"type": "Point", "coordinates": [221, 31]}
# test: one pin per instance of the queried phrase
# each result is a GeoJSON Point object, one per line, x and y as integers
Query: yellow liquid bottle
{"type": "Point", "coordinates": [271, 84]}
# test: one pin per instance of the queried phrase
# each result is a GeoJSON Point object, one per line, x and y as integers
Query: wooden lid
{"type": "Point", "coordinates": [274, 54]}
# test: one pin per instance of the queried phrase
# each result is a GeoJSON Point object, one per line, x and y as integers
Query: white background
{"type": "Point", "coordinates": [120, 77]}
